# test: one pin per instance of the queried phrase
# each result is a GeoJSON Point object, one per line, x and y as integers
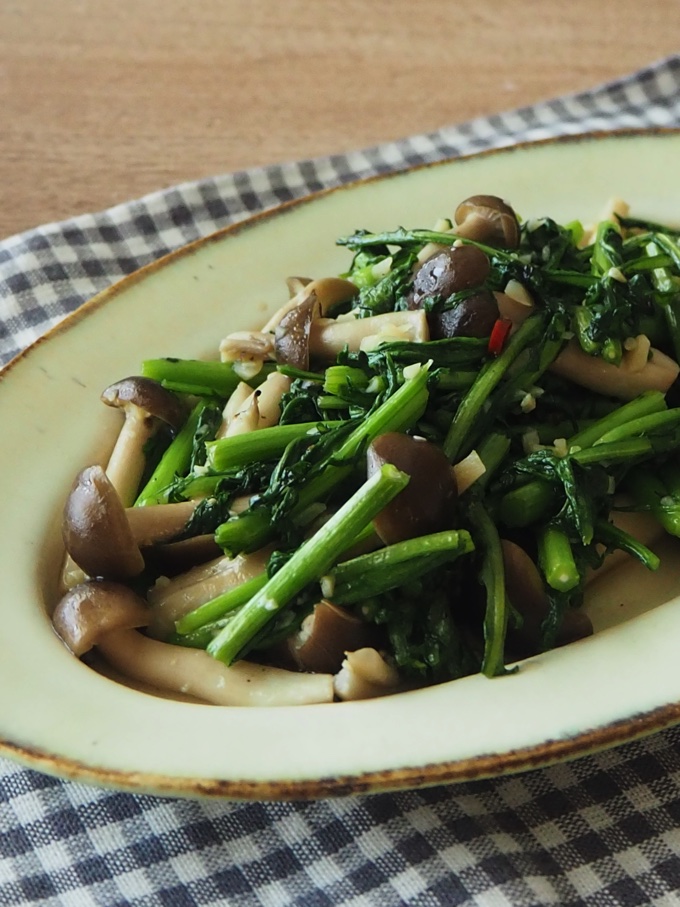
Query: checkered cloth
{"type": "Point", "coordinates": [604, 830]}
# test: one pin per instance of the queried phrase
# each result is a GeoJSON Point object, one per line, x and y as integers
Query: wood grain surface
{"type": "Point", "coordinates": [105, 100]}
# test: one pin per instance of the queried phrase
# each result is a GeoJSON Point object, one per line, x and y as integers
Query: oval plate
{"type": "Point", "coordinates": [61, 717]}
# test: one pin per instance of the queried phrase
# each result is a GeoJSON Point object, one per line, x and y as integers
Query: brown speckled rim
{"type": "Point", "coordinates": [477, 767]}
{"type": "Point", "coordinates": [489, 765]}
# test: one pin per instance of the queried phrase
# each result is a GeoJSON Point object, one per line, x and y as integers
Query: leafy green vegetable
{"type": "Point", "coordinates": [549, 459]}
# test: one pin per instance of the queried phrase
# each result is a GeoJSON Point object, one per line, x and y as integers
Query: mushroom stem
{"type": "Point", "coordinates": [127, 460]}
{"type": "Point", "coordinates": [145, 404]}
{"type": "Point", "coordinates": [172, 599]}
{"type": "Point", "coordinates": [262, 407]}
{"type": "Point", "coordinates": [233, 406]}
{"type": "Point", "coordinates": [329, 291]}
{"type": "Point", "coordinates": [657, 373]}
{"type": "Point", "coordinates": [328, 336]}
{"type": "Point", "coordinates": [193, 672]}
{"type": "Point", "coordinates": [364, 675]}
{"type": "Point", "coordinates": [159, 522]}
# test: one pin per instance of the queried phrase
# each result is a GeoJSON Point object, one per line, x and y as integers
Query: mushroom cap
{"type": "Point", "coordinates": [292, 333]}
{"type": "Point", "coordinates": [95, 529]}
{"type": "Point", "coordinates": [426, 504]}
{"type": "Point", "coordinates": [147, 395]}
{"type": "Point", "coordinates": [449, 271]}
{"type": "Point", "coordinates": [331, 291]}
{"type": "Point", "coordinates": [527, 594]}
{"type": "Point", "coordinates": [488, 219]}
{"type": "Point", "coordinates": [473, 316]}
{"type": "Point", "coordinates": [92, 609]}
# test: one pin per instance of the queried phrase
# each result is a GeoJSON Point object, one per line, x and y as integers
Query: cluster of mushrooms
{"type": "Point", "coordinates": [334, 656]}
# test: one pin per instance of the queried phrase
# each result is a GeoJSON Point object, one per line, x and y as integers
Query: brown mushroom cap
{"type": "Point", "coordinates": [147, 395]}
{"type": "Point", "coordinates": [291, 339]}
{"type": "Point", "coordinates": [526, 591]}
{"type": "Point", "coordinates": [450, 271]}
{"type": "Point", "coordinates": [473, 316]}
{"type": "Point", "coordinates": [91, 610]}
{"type": "Point", "coordinates": [488, 219]}
{"type": "Point", "coordinates": [95, 529]}
{"type": "Point", "coordinates": [175, 558]}
{"type": "Point", "coordinates": [326, 635]}
{"type": "Point", "coordinates": [426, 504]}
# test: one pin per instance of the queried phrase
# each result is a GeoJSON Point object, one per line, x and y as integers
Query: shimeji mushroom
{"type": "Point", "coordinates": [324, 637]}
{"type": "Point", "coordinates": [330, 336]}
{"type": "Point", "coordinates": [146, 404]}
{"type": "Point", "coordinates": [104, 538]}
{"type": "Point", "coordinates": [106, 615]}
{"type": "Point", "coordinates": [293, 331]}
{"type": "Point", "coordinates": [642, 367]}
{"type": "Point", "coordinates": [328, 291]}
{"type": "Point", "coordinates": [527, 594]}
{"type": "Point", "coordinates": [171, 599]}
{"type": "Point", "coordinates": [652, 371]}
{"type": "Point", "coordinates": [248, 350]}
{"type": "Point", "coordinates": [426, 504]}
{"type": "Point", "coordinates": [92, 609]}
{"type": "Point", "coordinates": [365, 675]}
{"type": "Point", "coordinates": [259, 408]}
{"type": "Point", "coordinates": [488, 219]}
{"type": "Point", "coordinates": [462, 267]}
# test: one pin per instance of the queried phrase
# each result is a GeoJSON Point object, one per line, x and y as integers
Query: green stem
{"type": "Point", "coordinates": [399, 412]}
{"type": "Point", "coordinates": [557, 560]}
{"type": "Point", "coordinates": [492, 575]}
{"type": "Point", "coordinates": [614, 451]}
{"type": "Point", "coordinates": [649, 492]}
{"type": "Point", "coordinates": [664, 283]}
{"type": "Point", "coordinates": [613, 537]}
{"type": "Point", "coordinates": [532, 501]}
{"type": "Point", "coordinates": [526, 504]}
{"type": "Point", "coordinates": [390, 567]}
{"type": "Point", "coordinates": [210, 377]}
{"type": "Point", "coordinates": [174, 462]}
{"type": "Point", "coordinates": [457, 441]}
{"type": "Point", "coordinates": [255, 446]}
{"type": "Point", "coordinates": [311, 561]}
{"type": "Point", "coordinates": [492, 450]}
{"type": "Point", "coordinates": [644, 405]}
{"type": "Point", "coordinates": [643, 425]}
{"type": "Point", "coordinates": [217, 607]}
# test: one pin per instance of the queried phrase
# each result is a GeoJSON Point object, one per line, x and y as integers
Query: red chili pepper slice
{"type": "Point", "coordinates": [499, 334]}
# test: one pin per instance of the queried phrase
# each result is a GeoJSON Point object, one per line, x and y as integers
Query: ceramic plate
{"type": "Point", "coordinates": [59, 716]}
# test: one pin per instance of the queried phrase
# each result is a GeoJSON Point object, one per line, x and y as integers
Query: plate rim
{"type": "Point", "coordinates": [270, 213]}
{"type": "Point", "coordinates": [452, 771]}
{"type": "Point", "coordinates": [475, 768]}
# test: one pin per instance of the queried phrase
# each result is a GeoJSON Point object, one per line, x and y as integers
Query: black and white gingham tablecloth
{"type": "Point", "coordinates": [602, 831]}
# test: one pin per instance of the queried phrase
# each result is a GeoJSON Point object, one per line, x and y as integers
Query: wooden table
{"type": "Point", "coordinates": [105, 100]}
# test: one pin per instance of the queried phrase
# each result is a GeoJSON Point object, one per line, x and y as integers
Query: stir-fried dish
{"type": "Point", "coordinates": [407, 475]}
